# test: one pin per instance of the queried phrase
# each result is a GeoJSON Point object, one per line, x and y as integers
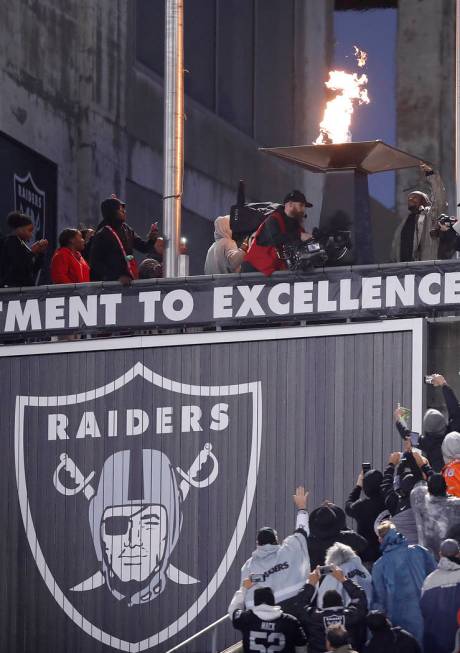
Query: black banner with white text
{"type": "Point", "coordinates": [360, 292]}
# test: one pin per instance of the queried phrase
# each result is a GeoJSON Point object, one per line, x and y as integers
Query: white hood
{"type": "Point", "coordinates": [267, 612]}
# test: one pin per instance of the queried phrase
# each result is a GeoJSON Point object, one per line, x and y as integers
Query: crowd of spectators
{"type": "Point", "coordinates": [391, 585]}
{"type": "Point", "coordinates": [105, 253]}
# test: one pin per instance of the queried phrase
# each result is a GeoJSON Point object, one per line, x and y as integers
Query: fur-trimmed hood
{"type": "Point", "coordinates": [350, 563]}
{"type": "Point", "coordinates": [338, 554]}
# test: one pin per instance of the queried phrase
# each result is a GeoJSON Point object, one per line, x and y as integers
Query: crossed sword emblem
{"type": "Point", "coordinates": [83, 484]}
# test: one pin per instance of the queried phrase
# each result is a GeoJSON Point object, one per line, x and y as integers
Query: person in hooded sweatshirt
{"type": "Point", "coordinates": [266, 627]}
{"type": "Point", "coordinates": [350, 563]}
{"type": "Point", "coordinates": [328, 526]}
{"type": "Point", "coordinates": [343, 556]}
{"type": "Point", "coordinates": [399, 479]}
{"type": "Point", "coordinates": [397, 579]}
{"type": "Point", "coordinates": [451, 469]}
{"type": "Point", "coordinates": [224, 256]}
{"type": "Point", "coordinates": [316, 620]}
{"type": "Point", "coordinates": [441, 600]}
{"type": "Point", "coordinates": [282, 567]}
{"type": "Point", "coordinates": [386, 638]}
{"type": "Point", "coordinates": [365, 509]}
{"type": "Point", "coordinates": [435, 512]}
{"type": "Point", "coordinates": [435, 426]}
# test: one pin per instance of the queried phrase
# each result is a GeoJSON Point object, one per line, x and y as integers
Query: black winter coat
{"type": "Point", "coordinates": [19, 266]}
{"type": "Point", "coordinates": [366, 510]}
{"type": "Point", "coordinates": [316, 621]}
{"type": "Point", "coordinates": [107, 260]}
{"type": "Point", "coordinates": [395, 640]}
{"type": "Point", "coordinates": [431, 444]}
{"type": "Point", "coordinates": [326, 529]}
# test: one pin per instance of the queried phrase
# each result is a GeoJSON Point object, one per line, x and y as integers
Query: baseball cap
{"type": "Point", "coordinates": [111, 204]}
{"type": "Point", "coordinates": [267, 535]}
{"type": "Point", "coordinates": [449, 548]}
{"type": "Point", "coordinates": [296, 196]}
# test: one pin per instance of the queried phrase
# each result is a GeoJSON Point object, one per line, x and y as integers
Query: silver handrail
{"type": "Point", "coordinates": [208, 629]}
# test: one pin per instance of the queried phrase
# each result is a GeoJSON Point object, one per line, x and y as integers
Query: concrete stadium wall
{"type": "Point", "coordinates": [74, 90]}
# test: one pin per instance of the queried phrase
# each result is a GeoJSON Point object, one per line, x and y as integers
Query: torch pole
{"type": "Point", "coordinates": [173, 133]}
{"type": "Point", "coordinates": [457, 106]}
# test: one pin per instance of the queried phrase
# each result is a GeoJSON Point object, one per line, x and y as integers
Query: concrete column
{"type": "Point", "coordinates": [426, 91]}
{"type": "Point", "coordinates": [101, 140]}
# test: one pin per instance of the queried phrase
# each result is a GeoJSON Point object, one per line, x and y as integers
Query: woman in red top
{"type": "Point", "coordinates": [67, 264]}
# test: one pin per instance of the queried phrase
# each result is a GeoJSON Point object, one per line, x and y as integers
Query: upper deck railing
{"type": "Point", "coordinates": [231, 301]}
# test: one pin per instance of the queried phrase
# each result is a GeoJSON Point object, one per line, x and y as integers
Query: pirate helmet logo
{"type": "Point", "coordinates": [132, 506]}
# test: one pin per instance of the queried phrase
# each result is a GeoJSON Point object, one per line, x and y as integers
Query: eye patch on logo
{"type": "Point", "coordinates": [116, 525]}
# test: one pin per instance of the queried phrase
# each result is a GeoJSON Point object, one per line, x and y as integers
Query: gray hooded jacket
{"type": "Point", "coordinates": [344, 557]}
{"type": "Point", "coordinates": [433, 516]}
{"type": "Point", "coordinates": [224, 256]}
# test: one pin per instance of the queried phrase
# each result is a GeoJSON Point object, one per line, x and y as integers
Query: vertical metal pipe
{"type": "Point", "coordinates": [173, 133]}
{"type": "Point", "coordinates": [457, 105]}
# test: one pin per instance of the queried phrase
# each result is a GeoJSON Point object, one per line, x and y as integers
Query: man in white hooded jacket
{"type": "Point", "coordinates": [282, 567]}
{"type": "Point", "coordinates": [224, 256]}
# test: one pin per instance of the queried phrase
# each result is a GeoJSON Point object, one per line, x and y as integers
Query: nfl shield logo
{"type": "Point", "coordinates": [121, 488]}
{"type": "Point", "coordinates": [29, 199]}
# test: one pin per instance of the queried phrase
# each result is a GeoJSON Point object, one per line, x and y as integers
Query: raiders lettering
{"type": "Point", "coordinates": [135, 421]}
{"type": "Point", "coordinates": [333, 620]}
{"type": "Point", "coordinates": [356, 572]}
{"type": "Point", "coordinates": [273, 570]}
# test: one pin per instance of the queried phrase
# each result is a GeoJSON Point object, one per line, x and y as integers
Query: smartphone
{"type": "Point", "coordinates": [366, 467]}
{"type": "Point", "coordinates": [257, 578]}
{"type": "Point", "coordinates": [429, 379]}
{"type": "Point", "coordinates": [414, 438]}
{"type": "Point", "coordinates": [325, 570]}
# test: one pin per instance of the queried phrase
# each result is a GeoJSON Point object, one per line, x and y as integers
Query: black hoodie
{"type": "Point", "coordinates": [366, 510]}
{"type": "Point", "coordinates": [392, 640]}
{"type": "Point", "coordinates": [327, 526]}
{"type": "Point", "coordinates": [431, 443]}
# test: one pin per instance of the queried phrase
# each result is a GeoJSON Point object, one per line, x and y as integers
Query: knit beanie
{"type": "Point", "coordinates": [451, 447]}
{"type": "Point", "coordinates": [434, 422]}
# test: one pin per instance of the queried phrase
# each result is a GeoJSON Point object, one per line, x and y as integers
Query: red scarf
{"type": "Point", "coordinates": [130, 260]}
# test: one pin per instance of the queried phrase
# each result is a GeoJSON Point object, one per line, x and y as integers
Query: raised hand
{"type": "Point", "coordinates": [300, 498]}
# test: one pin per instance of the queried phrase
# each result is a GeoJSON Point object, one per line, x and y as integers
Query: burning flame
{"type": "Point", "coordinates": [350, 89]}
{"type": "Point", "coordinates": [361, 56]}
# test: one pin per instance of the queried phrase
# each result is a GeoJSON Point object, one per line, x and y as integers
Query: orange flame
{"type": "Point", "coordinates": [361, 56]}
{"type": "Point", "coordinates": [350, 90]}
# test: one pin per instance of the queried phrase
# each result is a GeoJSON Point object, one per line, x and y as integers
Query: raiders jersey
{"type": "Point", "coordinates": [279, 635]}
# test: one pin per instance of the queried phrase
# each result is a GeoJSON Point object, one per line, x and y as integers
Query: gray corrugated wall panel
{"type": "Point", "coordinates": [327, 406]}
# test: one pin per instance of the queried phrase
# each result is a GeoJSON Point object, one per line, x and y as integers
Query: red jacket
{"type": "Point", "coordinates": [68, 266]}
{"type": "Point", "coordinates": [263, 254]}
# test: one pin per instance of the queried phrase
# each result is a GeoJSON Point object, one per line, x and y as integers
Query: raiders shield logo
{"type": "Point", "coordinates": [29, 199]}
{"type": "Point", "coordinates": [133, 509]}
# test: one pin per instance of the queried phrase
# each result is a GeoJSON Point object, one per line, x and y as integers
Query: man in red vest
{"type": "Point", "coordinates": [282, 227]}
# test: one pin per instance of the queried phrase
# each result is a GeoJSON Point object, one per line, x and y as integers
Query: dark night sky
{"type": "Point", "coordinates": [375, 32]}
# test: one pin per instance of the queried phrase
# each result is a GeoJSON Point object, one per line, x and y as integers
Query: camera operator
{"type": "Point", "coordinates": [421, 237]}
{"type": "Point", "coordinates": [282, 227]}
